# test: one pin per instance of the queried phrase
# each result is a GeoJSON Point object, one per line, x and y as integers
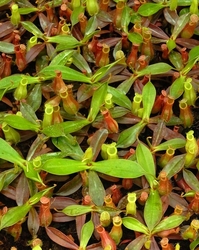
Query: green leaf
{"type": "Point", "coordinates": [7, 48]}
{"type": "Point", "coordinates": [135, 17]}
{"type": "Point", "coordinates": [119, 112]}
{"type": "Point", "coordinates": [135, 225]}
{"type": "Point", "coordinates": [54, 3]}
{"type": "Point", "coordinates": [96, 187]}
{"type": "Point", "coordinates": [145, 159]}
{"type": "Point", "coordinates": [153, 210]}
{"type": "Point", "coordinates": [53, 155]}
{"type": "Point", "coordinates": [128, 136]}
{"type": "Point", "coordinates": [194, 244]}
{"type": "Point", "coordinates": [135, 37]}
{"type": "Point", "coordinates": [62, 57]}
{"type": "Point", "coordinates": [63, 166]}
{"type": "Point", "coordinates": [8, 176]}
{"type": "Point", "coordinates": [67, 73]}
{"type": "Point", "coordinates": [34, 98]}
{"type": "Point", "coordinates": [13, 215]}
{"type": "Point", "coordinates": [80, 62]}
{"type": "Point", "coordinates": [9, 154]}
{"type": "Point", "coordinates": [32, 28]}
{"type": "Point", "coordinates": [180, 24]}
{"type": "Point", "coordinates": [117, 47]}
{"type": "Point", "coordinates": [121, 168]}
{"type": "Point", "coordinates": [171, 45]}
{"type": "Point", "coordinates": [191, 179]}
{"type": "Point", "coordinates": [177, 87]}
{"type": "Point", "coordinates": [172, 143]}
{"type": "Point", "coordinates": [67, 41]}
{"type": "Point", "coordinates": [126, 85]}
{"type": "Point", "coordinates": [75, 14]}
{"type": "Point", "coordinates": [97, 101]}
{"type": "Point", "coordinates": [103, 71]}
{"type": "Point", "coordinates": [28, 113]}
{"type": "Point", "coordinates": [169, 223]}
{"type": "Point", "coordinates": [193, 58]}
{"type": "Point", "coordinates": [42, 61]}
{"type": "Point", "coordinates": [61, 47]}
{"type": "Point", "coordinates": [4, 2]}
{"type": "Point", "coordinates": [2, 93]}
{"type": "Point", "coordinates": [31, 173]}
{"type": "Point", "coordinates": [188, 67]}
{"type": "Point", "coordinates": [20, 123]}
{"type": "Point", "coordinates": [69, 146]}
{"type": "Point", "coordinates": [91, 29]}
{"type": "Point", "coordinates": [91, 26]}
{"type": "Point", "coordinates": [11, 82]}
{"type": "Point", "coordinates": [174, 165]}
{"type": "Point", "coordinates": [194, 53]}
{"type": "Point", "coordinates": [120, 98]}
{"type": "Point", "coordinates": [27, 10]}
{"type": "Point", "coordinates": [75, 210]}
{"type": "Point", "coordinates": [149, 9]}
{"type": "Point", "coordinates": [61, 129]}
{"type": "Point", "coordinates": [148, 98]}
{"type": "Point", "coordinates": [126, 18]}
{"type": "Point", "coordinates": [184, 2]}
{"type": "Point", "coordinates": [176, 59]}
{"type": "Point", "coordinates": [155, 69]}
{"type": "Point", "coordinates": [36, 197]}
{"type": "Point", "coordinates": [86, 233]}
{"type": "Point", "coordinates": [112, 211]}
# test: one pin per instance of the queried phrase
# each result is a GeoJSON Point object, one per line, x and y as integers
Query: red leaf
{"type": "Point", "coordinates": [62, 202]}
{"type": "Point", "coordinates": [60, 238]}
{"type": "Point", "coordinates": [33, 52]}
{"type": "Point", "coordinates": [61, 217]}
{"type": "Point", "coordinates": [33, 222]}
{"type": "Point", "coordinates": [80, 221]}
{"type": "Point", "coordinates": [22, 193]}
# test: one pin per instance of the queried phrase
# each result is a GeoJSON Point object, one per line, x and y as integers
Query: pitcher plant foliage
{"type": "Point", "coordinates": [99, 143]}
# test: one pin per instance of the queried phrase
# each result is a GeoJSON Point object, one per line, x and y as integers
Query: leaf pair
{"type": "Point", "coordinates": [152, 215]}
{"type": "Point", "coordinates": [166, 224]}
{"type": "Point", "coordinates": [15, 214]}
{"type": "Point", "coordinates": [9, 154]}
{"type": "Point", "coordinates": [115, 167]}
{"type": "Point", "coordinates": [65, 241]}
{"type": "Point", "coordinates": [130, 135]}
{"type": "Point", "coordinates": [61, 129]}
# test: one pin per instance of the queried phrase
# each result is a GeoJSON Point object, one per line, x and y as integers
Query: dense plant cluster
{"type": "Point", "coordinates": [98, 124]}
